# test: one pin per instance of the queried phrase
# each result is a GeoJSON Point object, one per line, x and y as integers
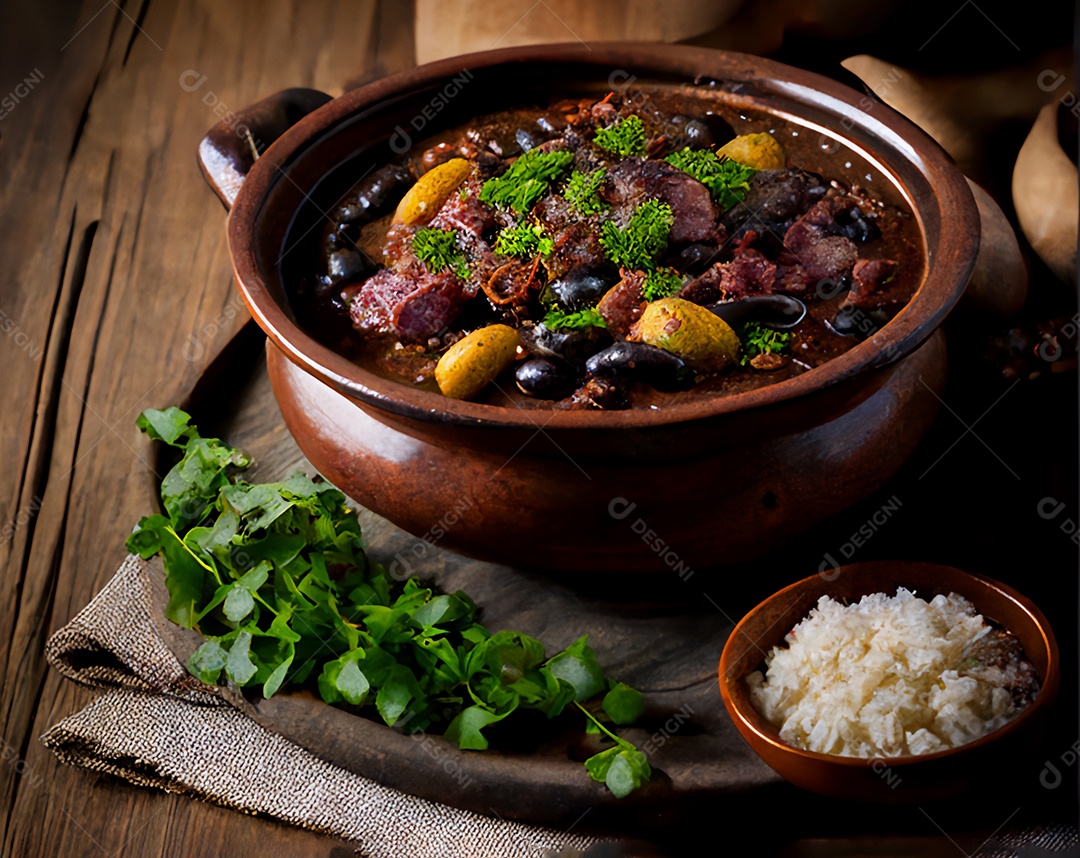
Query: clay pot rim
{"type": "Point", "coordinates": [950, 258]}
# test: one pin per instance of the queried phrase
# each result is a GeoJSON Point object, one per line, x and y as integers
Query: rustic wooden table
{"type": "Point", "coordinates": [115, 295]}
{"type": "Point", "coordinates": [116, 255]}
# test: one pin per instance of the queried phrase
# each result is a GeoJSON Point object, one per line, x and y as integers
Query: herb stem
{"type": "Point", "coordinates": [602, 728]}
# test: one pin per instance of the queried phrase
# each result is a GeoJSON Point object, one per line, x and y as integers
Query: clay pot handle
{"type": "Point", "coordinates": [229, 149]}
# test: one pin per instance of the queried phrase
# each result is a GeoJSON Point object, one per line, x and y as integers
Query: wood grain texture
{"type": "Point", "coordinates": [115, 296]}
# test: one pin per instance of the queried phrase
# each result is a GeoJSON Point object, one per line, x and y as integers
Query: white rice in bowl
{"type": "Point", "coordinates": [890, 676]}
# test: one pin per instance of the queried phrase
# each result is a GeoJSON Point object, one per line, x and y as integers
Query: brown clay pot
{"type": "Point", "coordinates": [703, 480]}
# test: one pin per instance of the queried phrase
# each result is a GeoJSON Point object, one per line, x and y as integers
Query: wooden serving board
{"type": "Point", "coordinates": [661, 634]}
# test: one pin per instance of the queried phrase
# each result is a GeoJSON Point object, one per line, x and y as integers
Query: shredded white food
{"type": "Point", "coordinates": [878, 678]}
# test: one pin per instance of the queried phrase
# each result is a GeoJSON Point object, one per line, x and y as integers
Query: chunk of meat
{"type": "Point", "coordinates": [775, 199]}
{"type": "Point", "coordinates": [824, 257]}
{"type": "Point", "coordinates": [793, 279]}
{"type": "Point", "coordinates": [576, 240]}
{"type": "Point", "coordinates": [871, 275]}
{"type": "Point", "coordinates": [588, 113]}
{"type": "Point", "coordinates": [466, 213]}
{"type": "Point", "coordinates": [397, 246]}
{"type": "Point", "coordinates": [748, 273]}
{"type": "Point", "coordinates": [811, 244]}
{"type": "Point", "coordinates": [487, 162]}
{"type": "Point", "coordinates": [412, 304]}
{"type": "Point", "coordinates": [636, 180]}
{"type": "Point", "coordinates": [577, 246]}
{"type": "Point", "coordinates": [624, 302]}
{"type": "Point", "coordinates": [608, 392]}
{"type": "Point", "coordinates": [873, 285]}
{"type": "Point", "coordinates": [705, 288]}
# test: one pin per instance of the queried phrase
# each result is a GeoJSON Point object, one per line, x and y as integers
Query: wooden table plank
{"type": "Point", "coordinates": [118, 295]}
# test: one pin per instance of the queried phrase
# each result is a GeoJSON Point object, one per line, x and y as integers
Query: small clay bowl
{"type": "Point", "coordinates": [926, 777]}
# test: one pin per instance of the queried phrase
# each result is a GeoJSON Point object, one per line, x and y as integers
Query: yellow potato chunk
{"type": "Point", "coordinates": [431, 190]}
{"type": "Point", "coordinates": [705, 341]}
{"type": "Point", "coordinates": [761, 151]}
{"type": "Point", "coordinates": [472, 363]}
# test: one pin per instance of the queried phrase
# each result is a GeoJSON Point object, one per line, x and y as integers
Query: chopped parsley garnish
{"type": "Point", "coordinates": [626, 137]}
{"type": "Point", "coordinates": [759, 340]}
{"type": "Point", "coordinates": [558, 320]}
{"type": "Point", "coordinates": [527, 180]}
{"type": "Point", "coordinates": [524, 241]}
{"type": "Point", "coordinates": [582, 192]}
{"type": "Point", "coordinates": [661, 283]}
{"type": "Point", "coordinates": [726, 180]}
{"type": "Point", "coordinates": [644, 239]}
{"type": "Point", "coordinates": [438, 250]}
{"type": "Point", "coordinates": [275, 578]}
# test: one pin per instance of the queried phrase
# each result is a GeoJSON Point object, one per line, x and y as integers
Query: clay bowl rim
{"type": "Point", "coordinates": [764, 738]}
{"type": "Point", "coordinates": [948, 264]}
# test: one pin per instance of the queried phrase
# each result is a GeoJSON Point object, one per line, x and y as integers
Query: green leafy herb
{"type": "Point", "coordinates": [727, 180]}
{"type": "Point", "coordinates": [622, 767]}
{"type": "Point", "coordinates": [661, 283]}
{"type": "Point", "coordinates": [645, 236]}
{"type": "Point", "coordinates": [438, 250]}
{"type": "Point", "coordinates": [583, 192]}
{"type": "Point", "coordinates": [527, 180]}
{"type": "Point", "coordinates": [524, 241]}
{"type": "Point", "coordinates": [759, 340]}
{"type": "Point", "coordinates": [623, 704]}
{"type": "Point", "coordinates": [558, 320]}
{"type": "Point", "coordinates": [275, 578]}
{"type": "Point", "coordinates": [626, 137]}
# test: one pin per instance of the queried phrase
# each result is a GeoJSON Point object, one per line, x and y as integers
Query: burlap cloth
{"type": "Point", "coordinates": [156, 725]}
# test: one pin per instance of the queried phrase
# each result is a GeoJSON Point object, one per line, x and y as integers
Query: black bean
{"type": "Point", "coordinates": [374, 193]}
{"type": "Point", "coordinates": [572, 345]}
{"type": "Point", "coordinates": [856, 226]}
{"type": "Point", "coordinates": [853, 322]}
{"type": "Point", "coordinates": [642, 362]}
{"type": "Point", "coordinates": [781, 312]}
{"type": "Point", "coordinates": [579, 288]}
{"type": "Point", "coordinates": [684, 131]}
{"type": "Point", "coordinates": [345, 264]}
{"type": "Point", "coordinates": [720, 129]}
{"type": "Point", "coordinates": [545, 378]}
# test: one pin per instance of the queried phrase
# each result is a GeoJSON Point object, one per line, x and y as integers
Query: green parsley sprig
{"type": "Point", "coordinates": [275, 578]}
{"type": "Point", "coordinates": [527, 180]}
{"type": "Point", "coordinates": [644, 238]}
{"type": "Point", "coordinates": [582, 192]}
{"type": "Point", "coordinates": [759, 340]}
{"type": "Point", "coordinates": [626, 137]}
{"type": "Point", "coordinates": [438, 250]}
{"type": "Point", "coordinates": [559, 320]}
{"type": "Point", "coordinates": [727, 180]}
{"type": "Point", "coordinates": [524, 241]}
{"type": "Point", "coordinates": [661, 283]}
